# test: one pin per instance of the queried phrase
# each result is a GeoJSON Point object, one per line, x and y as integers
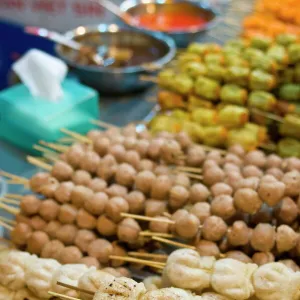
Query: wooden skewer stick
{"type": "Point", "coordinates": [191, 175]}
{"type": "Point", "coordinates": [67, 140]}
{"type": "Point", "coordinates": [160, 234]}
{"type": "Point", "coordinates": [36, 162]}
{"type": "Point", "coordinates": [14, 196]}
{"type": "Point", "coordinates": [9, 209]}
{"type": "Point", "coordinates": [61, 296]}
{"type": "Point", "coordinates": [149, 263]}
{"type": "Point", "coordinates": [148, 255]}
{"type": "Point", "coordinates": [267, 115]}
{"type": "Point", "coordinates": [8, 221]}
{"type": "Point", "coordinates": [189, 169]}
{"type": "Point", "coordinates": [145, 218]}
{"type": "Point", "coordinates": [75, 288]}
{"type": "Point", "coordinates": [57, 147]}
{"type": "Point", "coordinates": [44, 150]}
{"type": "Point", "coordinates": [10, 201]}
{"type": "Point", "coordinates": [50, 157]}
{"type": "Point", "coordinates": [5, 225]}
{"type": "Point", "coordinates": [209, 148]}
{"type": "Point", "coordinates": [13, 177]}
{"type": "Point", "coordinates": [103, 124]}
{"type": "Point", "coordinates": [76, 136]}
{"type": "Point", "coordinates": [177, 244]}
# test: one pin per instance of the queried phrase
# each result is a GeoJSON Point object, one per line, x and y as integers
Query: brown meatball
{"type": "Point", "coordinates": [130, 142]}
{"type": "Point", "coordinates": [291, 164]}
{"type": "Point", "coordinates": [62, 171]}
{"type": "Point", "coordinates": [49, 210]}
{"type": "Point", "coordinates": [229, 167]}
{"type": "Point", "coordinates": [234, 159]}
{"type": "Point", "coordinates": [233, 179]}
{"type": "Point", "coordinates": [216, 156]}
{"type": "Point", "coordinates": [52, 249]}
{"type": "Point", "coordinates": [276, 172]}
{"type": "Point", "coordinates": [22, 219]}
{"type": "Point", "coordinates": [144, 181]}
{"type": "Point", "coordinates": [292, 183]}
{"type": "Point", "coordinates": [161, 187]}
{"type": "Point", "coordinates": [252, 171]}
{"type": "Point", "coordinates": [209, 163]}
{"type": "Point", "coordinates": [117, 139]}
{"type": "Point", "coordinates": [187, 226]}
{"type": "Point", "coordinates": [107, 167]}
{"type": "Point", "coordinates": [106, 226]}
{"type": "Point", "coordinates": [97, 185]}
{"type": "Point", "coordinates": [20, 234]}
{"type": "Point", "coordinates": [286, 238]}
{"type": "Point", "coordinates": [263, 237]}
{"type": "Point", "coordinates": [38, 180]}
{"type": "Point", "coordinates": [183, 180]}
{"type": "Point", "coordinates": [154, 148]}
{"type": "Point", "coordinates": [214, 229]}
{"type": "Point", "coordinates": [80, 194]}
{"type": "Point", "coordinates": [84, 238]}
{"type": "Point", "coordinates": [51, 228]}
{"type": "Point", "coordinates": [146, 165]}
{"type": "Point", "coordinates": [115, 207]}
{"type": "Point", "coordinates": [273, 161]}
{"type": "Point", "coordinates": [118, 152]}
{"type": "Point", "coordinates": [221, 188]}
{"type": "Point", "coordinates": [96, 204]}
{"type": "Point", "coordinates": [183, 139]}
{"type": "Point", "coordinates": [271, 192]}
{"type": "Point", "coordinates": [268, 178]}
{"type": "Point", "coordinates": [64, 191]}
{"type": "Point", "coordinates": [179, 196]}
{"type": "Point", "coordinates": [213, 175]}
{"type": "Point", "coordinates": [49, 188]}
{"type": "Point", "coordinates": [90, 262]}
{"type": "Point", "coordinates": [37, 223]}
{"type": "Point", "coordinates": [201, 210]}
{"type": "Point", "coordinates": [207, 248]}
{"type": "Point", "coordinates": [247, 200]}
{"type": "Point", "coordinates": [36, 242]}
{"type": "Point", "coordinates": [116, 190]}
{"type": "Point", "coordinates": [82, 177]}
{"type": "Point", "coordinates": [125, 175]}
{"type": "Point", "coordinates": [287, 212]}
{"type": "Point", "coordinates": [128, 230]}
{"type": "Point", "coordinates": [237, 150]}
{"type": "Point", "coordinates": [90, 161]}
{"type": "Point", "coordinates": [155, 208]}
{"type": "Point", "coordinates": [30, 205]}
{"type": "Point", "coordinates": [238, 234]}
{"type": "Point", "coordinates": [133, 158]}
{"type": "Point", "coordinates": [141, 147]}
{"type": "Point", "coordinates": [74, 155]}
{"type": "Point", "coordinates": [67, 214]}
{"type": "Point", "coordinates": [70, 255]}
{"type": "Point", "coordinates": [101, 145]}
{"type": "Point", "coordinates": [67, 233]}
{"type": "Point", "coordinates": [256, 158]}
{"type": "Point", "coordinates": [157, 226]}
{"type": "Point", "coordinates": [224, 245]}
{"type": "Point", "coordinates": [240, 256]}
{"type": "Point", "coordinates": [199, 193]}
{"type": "Point", "coordinates": [262, 258]}
{"type": "Point", "coordinates": [170, 150]}
{"type": "Point", "coordinates": [94, 134]}
{"type": "Point", "coordinates": [100, 249]}
{"type": "Point", "coordinates": [223, 206]}
{"type": "Point", "coordinates": [250, 183]}
{"type": "Point", "coordinates": [136, 201]}
{"type": "Point", "coordinates": [85, 220]}
{"type": "Point", "coordinates": [290, 264]}
{"type": "Point", "coordinates": [118, 251]}
{"type": "Point", "coordinates": [162, 170]}
{"type": "Point", "coordinates": [195, 156]}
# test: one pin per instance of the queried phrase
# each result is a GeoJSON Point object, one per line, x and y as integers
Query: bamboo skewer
{"type": "Point", "coordinates": [15, 196]}
{"type": "Point", "coordinates": [8, 221]}
{"type": "Point", "coordinates": [173, 243]}
{"type": "Point", "coordinates": [189, 169]}
{"type": "Point", "coordinates": [267, 115]}
{"type": "Point", "coordinates": [148, 255]}
{"type": "Point", "coordinates": [157, 265]}
{"type": "Point", "coordinates": [75, 288]}
{"type": "Point", "coordinates": [9, 209]}
{"type": "Point", "coordinates": [9, 201]}
{"type": "Point", "coordinates": [5, 225]}
{"type": "Point", "coordinates": [191, 175]}
{"type": "Point", "coordinates": [13, 177]}
{"type": "Point", "coordinates": [67, 140]}
{"type": "Point", "coordinates": [160, 234]}
{"type": "Point", "coordinates": [103, 124]}
{"type": "Point", "coordinates": [38, 163]}
{"type": "Point", "coordinates": [57, 147]}
{"type": "Point", "coordinates": [61, 296]}
{"type": "Point", "coordinates": [76, 136]}
{"type": "Point", "coordinates": [145, 218]}
{"type": "Point", "coordinates": [44, 150]}
{"type": "Point", "coordinates": [51, 158]}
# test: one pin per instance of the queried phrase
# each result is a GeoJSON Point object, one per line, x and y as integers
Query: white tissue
{"type": "Point", "coordinates": [42, 74]}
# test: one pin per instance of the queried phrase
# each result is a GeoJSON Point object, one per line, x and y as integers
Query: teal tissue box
{"type": "Point", "coordinates": [24, 120]}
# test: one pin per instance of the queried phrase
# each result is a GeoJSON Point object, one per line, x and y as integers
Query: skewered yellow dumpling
{"type": "Point", "coordinates": [170, 294]}
{"type": "Point", "coordinates": [39, 276]}
{"type": "Point", "coordinates": [275, 281]}
{"type": "Point", "coordinates": [186, 269]}
{"type": "Point", "coordinates": [232, 278]}
{"type": "Point", "coordinates": [153, 283]}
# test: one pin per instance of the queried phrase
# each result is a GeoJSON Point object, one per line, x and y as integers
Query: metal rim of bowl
{"type": "Point", "coordinates": [113, 28]}
{"type": "Point", "coordinates": [128, 4]}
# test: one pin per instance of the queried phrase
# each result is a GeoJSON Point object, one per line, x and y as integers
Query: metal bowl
{"type": "Point", "coordinates": [159, 49]}
{"type": "Point", "coordinates": [182, 38]}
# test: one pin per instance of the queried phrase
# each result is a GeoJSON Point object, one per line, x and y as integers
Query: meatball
{"type": "Point", "coordinates": [67, 214]}
{"type": "Point", "coordinates": [101, 145]}
{"type": "Point", "coordinates": [213, 175]}
{"type": "Point", "coordinates": [51, 228]}
{"type": "Point", "coordinates": [271, 192]}
{"type": "Point", "coordinates": [106, 171]}
{"type": "Point", "coordinates": [20, 234]}
{"type": "Point", "coordinates": [221, 188]}
{"type": "Point", "coordinates": [94, 134]}
{"type": "Point", "coordinates": [238, 255]}
{"type": "Point", "coordinates": [195, 156]}
{"type": "Point", "coordinates": [187, 226]}
{"type": "Point", "coordinates": [214, 228]}
{"type": "Point", "coordinates": [130, 142]}
{"type": "Point", "coordinates": [233, 179]}
{"type": "Point", "coordinates": [52, 249]}
{"type": "Point", "coordinates": [292, 183]}
{"type": "Point", "coordinates": [161, 187]}
{"type": "Point", "coordinates": [84, 238]}
{"type": "Point", "coordinates": [262, 258]}
{"type": "Point", "coordinates": [207, 248]}
{"type": "Point", "coordinates": [183, 139]}
{"type": "Point", "coordinates": [249, 183]}
{"type": "Point", "coordinates": [49, 210]}
{"type": "Point", "coordinates": [106, 226]}
{"type": "Point", "coordinates": [256, 158]}
{"type": "Point", "coordinates": [90, 161]}
{"type": "Point", "coordinates": [234, 159]}
{"type": "Point", "coordinates": [118, 251]}
{"type": "Point", "coordinates": [291, 164]}
{"type": "Point", "coordinates": [223, 206]}
{"type": "Point", "coordinates": [116, 190]}
{"type": "Point", "coordinates": [276, 172]}
{"type": "Point", "coordinates": [36, 242]}
{"type": "Point", "coordinates": [64, 191]}
{"type": "Point", "coordinates": [128, 230]}
{"type": "Point", "coordinates": [286, 238]}
{"type": "Point", "coordinates": [201, 210]}
{"type": "Point", "coordinates": [162, 227]}
{"type": "Point", "coordinates": [229, 167]}
{"type": "Point", "coordinates": [162, 170]}
{"type": "Point", "coordinates": [115, 207]}
{"type": "Point", "coordinates": [183, 180]}
{"type": "Point", "coordinates": [170, 150]}
{"type": "Point", "coordinates": [133, 158]}
{"type": "Point", "coordinates": [38, 180]}
{"type": "Point", "coordinates": [252, 171]}
{"type": "Point", "coordinates": [199, 193]}
{"type": "Point", "coordinates": [141, 147]}
{"type": "Point", "coordinates": [80, 194]}
{"type": "Point", "coordinates": [216, 156]}
{"type": "Point", "coordinates": [90, 262]}
{"type": "Point", "coordinates": [62, 171]}
{"type": "Point", "coordinates": [49, 188]}
{"type": "Point", "coordinates": [237, 150]}
{"type": "Point", "coordinates": [97, 185]}
{"type": "Point", "coordinates": [263, 237]}
{"type": "Point", "coordinates": [74, 155]}
{"type": "Point", "coordinates": [287, 212]}
{"type": "Point", "coordinates": [85, 220]}
{"type": "Point", "coordinates": [96, 204]}
{"type": "Point", "coordinates": [66, 234]}
{"type": "Point", "coordinates": [81, 177]}
{"type": "Point", "coordinates": [238, 234]}
{"type": "Point", "coordinates": [125, 175]}
{"type": "Point", "coordinates": [155, 147]}
{"type": "Point", "coordinates": [30, 205]}
{"type": "Point", "coordinates": [273, 161]}
{"type": "Point", "coordinates": [37, 223]}
{"type": "Point", "coordinates": [136, 201]}
{"type": "Point", "coordinates": [118, 152]}
{"type": "Point", "coordinates": [70, 255]}
{"type": "Point", "coordinates": [146, 165]}
{"type": "Point", "coordinates": [247, 200]}
{"type": "Point", "coordinates": [144, 181]}
{"type": "Point", "coordinates": [155, 208]}
{"type": "Point", "coordinates": [179, 196]}
{"type": "Point", "coordinates": [100, 249]}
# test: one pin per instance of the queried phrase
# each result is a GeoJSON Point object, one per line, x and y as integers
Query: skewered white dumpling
{"type": "Point", "coordinates": [39, 276]}
{"type": "Point", "coordinates": [153, 283]}
{"type": "Point", "coordinates": [12, 269]}
{"type": "Point", "coordinates": [275, 281]}
{"type": "Point", "coordinates": [213, 296]}
{"type": "Point", "coordinates": [6, 294]}
{"type": "Point", "coordinates": [186, 269]}
{"type": "Point", "coordinates": [232, 278]}
{"type": "Point", "coordinates": [24, 294]}
{"type": "Point", "coordinates": [170, 294]}
{"type": "Point", "coordinates": [120, 289]}
{"type": "Point", "coordinates": [68, 274]}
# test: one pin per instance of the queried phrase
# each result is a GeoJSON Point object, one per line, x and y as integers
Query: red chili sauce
{"type": "Point", "coordinates": [170, 21]}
